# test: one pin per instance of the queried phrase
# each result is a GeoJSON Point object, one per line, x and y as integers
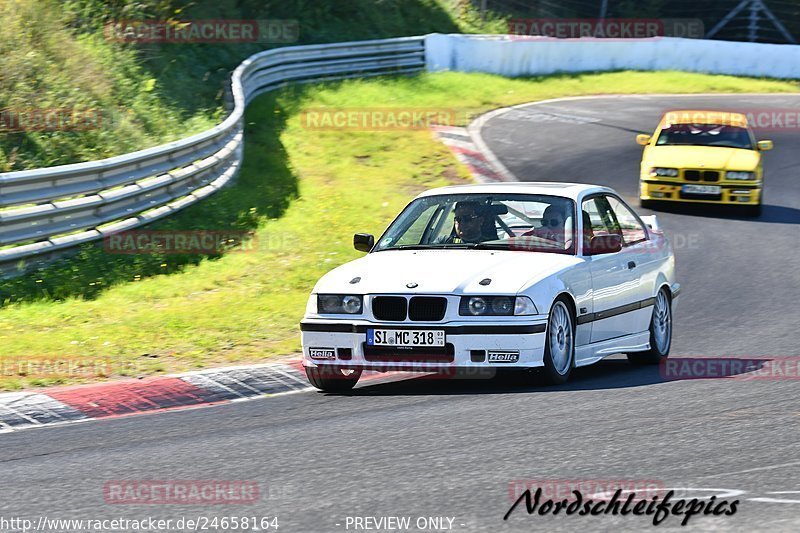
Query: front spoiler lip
{"type": "Point", "coordinates": [441, 369]}
{"type": "Point", "coordinates": [478, 329]}
{"type": "Point", "coordinates": [693, 201]}
{"type": "Point", "coordinates": [754, 188]}
{"type": "Point", "coordinates": [724, 185]}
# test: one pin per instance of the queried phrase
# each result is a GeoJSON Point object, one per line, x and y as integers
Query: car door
{"type": "Point", "coordinates": [615, 286]}
{"type": "Point", "coordinates": [643, 261]}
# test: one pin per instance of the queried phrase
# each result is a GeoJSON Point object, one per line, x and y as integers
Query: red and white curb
{"type": "Point", "coordinates": [80, 403]}
{"type": "Point", "coordinates": [77, 403]}
{"type": "Point", "coordinates": [469, 148]}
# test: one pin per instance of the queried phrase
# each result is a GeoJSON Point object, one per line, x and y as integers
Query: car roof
{"type": "Point", "coordinates": [700, 116]}
{"type": "Point", "coordinates": [567, 190]}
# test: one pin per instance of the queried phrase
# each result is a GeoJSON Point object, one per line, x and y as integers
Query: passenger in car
{"type": "Point", "coordinates": [588, 232]}
{"type": "Point", "coordinates": [553, 226]}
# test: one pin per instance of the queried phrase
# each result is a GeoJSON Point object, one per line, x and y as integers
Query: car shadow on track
{"type": "Point", "coordinates": [611, 373]}
{"type": "Point", "coordinates": [607, 374]}
{"type": "Point", "coordinates": [774, 214]}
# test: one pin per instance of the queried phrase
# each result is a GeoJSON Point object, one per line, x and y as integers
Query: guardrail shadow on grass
{"type": "Point", "coordinates": [264, 188]}
{"type": "Point", "coordinates": [612, 373]}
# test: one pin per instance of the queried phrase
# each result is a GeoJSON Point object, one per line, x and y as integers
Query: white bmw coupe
{"type": "Point", "coordinates": [511, 275]}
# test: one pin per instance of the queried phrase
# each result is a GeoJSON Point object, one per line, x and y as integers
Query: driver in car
{"type": "Point", "coordinates": [468, 225]}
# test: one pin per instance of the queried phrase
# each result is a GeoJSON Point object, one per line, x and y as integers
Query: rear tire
{"type": "Point", "coordinates": [559, 343]}
{"type": "Point", "coordinates": [660, 333]}
{"type": "Point", "coordinates": [329, 378]}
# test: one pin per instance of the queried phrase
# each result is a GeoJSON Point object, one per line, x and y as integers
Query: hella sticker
{"type": "Point", "coordinates": [503, 357]}
{"type": "Point", "coordinates": [321, 353]}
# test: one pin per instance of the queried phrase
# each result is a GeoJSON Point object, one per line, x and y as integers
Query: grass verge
{"type": "Point", "coordinates": [303, 193]}
{"type": "Point", "coordinates": [54, 55]}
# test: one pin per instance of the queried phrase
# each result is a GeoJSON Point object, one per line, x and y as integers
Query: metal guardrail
{"type": "Point", "coordinates": [45, 211]}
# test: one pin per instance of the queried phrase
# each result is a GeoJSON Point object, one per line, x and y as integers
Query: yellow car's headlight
{"type": "Point", "coordinates": [737, 175]}
{"type": "Point", "coordinates": [664, 172]}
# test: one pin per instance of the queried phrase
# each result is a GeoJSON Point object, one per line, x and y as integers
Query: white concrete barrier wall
{"type": "Point", "coordinates": [514, 56]}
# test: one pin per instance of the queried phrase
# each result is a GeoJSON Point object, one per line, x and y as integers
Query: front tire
{"type": "Point", "coordinates": [559, 347]}
{"type": "Point", "coordinates": [647, 204]}
{"type": "Point", "coordinates": [660, 333]}
{"type": "Point", "coordinates": [753, 211]}
{"type": "Point", "coordinates": [329, 378]}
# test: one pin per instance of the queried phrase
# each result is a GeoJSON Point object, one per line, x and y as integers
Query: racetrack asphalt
{"type": "Point", "coordinates": [426, 448]}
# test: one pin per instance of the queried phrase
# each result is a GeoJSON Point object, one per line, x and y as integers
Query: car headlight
{"type": "Point", "coordinates": [311, 305]}
{"type": "Point", "coordinates": [496, 306]}
{"type": "Point", "coordinates": [350, 304]}
{"type": "Point", "coordinates": [737, 175]}
{"type": "Point", "coordinates": [525, 306]}
{"type": "Point", "coordinates": [664, 172]}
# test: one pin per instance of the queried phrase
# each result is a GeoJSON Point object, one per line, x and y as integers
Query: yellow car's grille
{"type": "Point", "coordinates": [701, 175]}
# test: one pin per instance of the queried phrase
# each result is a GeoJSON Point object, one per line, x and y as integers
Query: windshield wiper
{"type": "Point", "coordinates": [708, 145]}
{"type": "Point", "coordinates": [457, 246]}
{"type": "Point", "coordinates": [424, 247]}
{"type": "Point", "coordinates": [488, 246]}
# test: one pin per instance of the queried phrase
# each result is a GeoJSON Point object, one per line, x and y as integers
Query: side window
{"type": "Point", "coordinates": [414, 233]}
{"type": "Point", "coordinates": [600, 215]}
{"type": "Point", "coordinates": [442, 225]}
{"type": "Point", "coordinates": [632, 230]}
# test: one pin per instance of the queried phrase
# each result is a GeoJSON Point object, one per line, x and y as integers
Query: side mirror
{"type": "Point", "coordinates": [763, 146]}
{"type": "Point", "coordinates": [363, 242]}
{"type": "Point", "coordinates": [605, 244]}
{"type": "Point", "coordinates": [643, 139]}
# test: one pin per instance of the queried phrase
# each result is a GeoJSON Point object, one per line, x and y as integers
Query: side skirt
{"type": "Point", "coordinates": [591, 353]}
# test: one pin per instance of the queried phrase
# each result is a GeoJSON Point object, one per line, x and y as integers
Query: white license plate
{"type": "Point", "coordinates": [702, 189]}
{"type": "Point", "coordinates": [405, 337]}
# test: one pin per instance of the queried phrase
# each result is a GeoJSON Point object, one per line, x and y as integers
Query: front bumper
{"type": "Point", "coordinates": [346, 342]}
{"type": "Point", "coordinates": [671, 191]}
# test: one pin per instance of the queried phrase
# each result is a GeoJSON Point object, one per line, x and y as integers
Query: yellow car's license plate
{"type": "Point", "coordinates": [702, 189]}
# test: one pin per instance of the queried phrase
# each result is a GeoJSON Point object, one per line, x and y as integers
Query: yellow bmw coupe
{"type": "Point", "coordinates": [709, 157]}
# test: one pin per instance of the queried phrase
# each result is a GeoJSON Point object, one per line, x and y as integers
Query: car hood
{"type": "Point", "coordinates": [444, 271]}
{"type": "Point", "coordinates": [711, 157]}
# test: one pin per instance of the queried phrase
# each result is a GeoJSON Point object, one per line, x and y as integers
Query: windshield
{"type": "Point", "coordinates": [705, 135]}
{"type": "Point", "coordinates": [527, 222]}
